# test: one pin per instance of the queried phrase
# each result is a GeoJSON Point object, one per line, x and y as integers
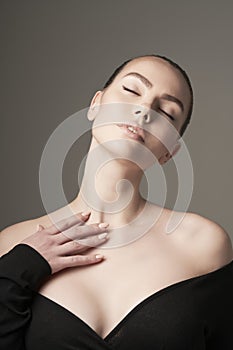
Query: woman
{"type": "Point", "coordinates": [61, 288]}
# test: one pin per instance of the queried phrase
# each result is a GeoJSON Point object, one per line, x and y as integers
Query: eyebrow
{"type": "Point", "coordinates": [148, 84]}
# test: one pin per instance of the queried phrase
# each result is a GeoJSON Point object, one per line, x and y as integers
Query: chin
{"type": "Point", "coordinates": [129, 153]}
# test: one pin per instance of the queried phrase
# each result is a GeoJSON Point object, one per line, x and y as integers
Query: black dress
{"type": "Point", "coordinates": [196, 313]}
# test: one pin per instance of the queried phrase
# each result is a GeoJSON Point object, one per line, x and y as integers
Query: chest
{"type": "Point", "coordinates": [103, 294]}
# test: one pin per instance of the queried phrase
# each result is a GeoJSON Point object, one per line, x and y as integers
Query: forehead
{"type": "Point", "coordinates": [164, 77]}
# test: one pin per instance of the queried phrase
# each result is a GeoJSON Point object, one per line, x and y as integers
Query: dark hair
{"type": "Point", "coordinates": [118, 69]}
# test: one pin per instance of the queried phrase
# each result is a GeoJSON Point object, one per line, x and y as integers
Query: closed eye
{"type": "Point", "coordinates": [169, 115]}
{"type": "Point", "coordinates": [129, 90]}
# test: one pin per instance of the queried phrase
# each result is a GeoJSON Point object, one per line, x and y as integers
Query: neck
{"type": "Point", "coordinates": [109, 188]}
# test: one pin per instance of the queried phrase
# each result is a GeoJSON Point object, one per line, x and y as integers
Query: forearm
{"type": "Point", "coordinates": [21, 271]}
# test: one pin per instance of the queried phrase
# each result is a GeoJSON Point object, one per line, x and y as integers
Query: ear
{"type": "Point", "coordinates": [168, 155]}
{"type": "Point", "coordinates": [94, 105]}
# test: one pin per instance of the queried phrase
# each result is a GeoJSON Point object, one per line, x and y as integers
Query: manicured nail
{"type": "Point", "coordinates": [102, 235]}
{"type": "Point", "coordinates": [103, 225]}
{"type": "Point", "coordinates": [86, 213]}
{"type": "Point", "coordinates": [98, 256]}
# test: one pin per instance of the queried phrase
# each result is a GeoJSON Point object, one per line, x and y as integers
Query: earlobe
{"type": "Point", "coordinates": [91, 114]}
{"type": "Point", "coordinates": [176, 148]}
{"type": "Point", "coordinates": [171, 154]}
{"type": "Point", "coordinates": [94, 105]}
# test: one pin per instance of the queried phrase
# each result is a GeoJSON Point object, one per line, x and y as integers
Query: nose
{"type": "Point", "coordinates": [142, 114]}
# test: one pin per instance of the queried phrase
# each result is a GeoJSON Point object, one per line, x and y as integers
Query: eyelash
{"type": "Point", "coordinates": [169, 115]}
{"type": "Point", "coordinates": [135, 93]}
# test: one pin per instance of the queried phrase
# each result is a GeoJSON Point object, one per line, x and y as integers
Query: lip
{"type": "Point", "coordinates": [140, 136]}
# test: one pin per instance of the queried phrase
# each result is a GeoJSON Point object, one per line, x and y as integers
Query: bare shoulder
{"type": "Point", "coordinates": [14, 234]}
{"type": "Point", "coordinates": [208, 243]}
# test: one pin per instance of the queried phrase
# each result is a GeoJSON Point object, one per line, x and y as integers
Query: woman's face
{"type": "Point", "coordinates": [155, 85]}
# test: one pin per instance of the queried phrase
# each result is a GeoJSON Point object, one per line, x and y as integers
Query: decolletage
{"type": "Point", "coordinates": [193, 314]}
{"type": "Point", "coordinates": [172, 317]}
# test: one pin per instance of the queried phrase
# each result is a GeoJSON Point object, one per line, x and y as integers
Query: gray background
{"type": "Point", "coordinates": [56, 54]}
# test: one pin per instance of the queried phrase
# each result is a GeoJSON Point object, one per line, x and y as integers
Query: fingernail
{"type": "Point", "coordinates": [103, 225]}
{"type": "Point", "coordinates": [102, 235]}
{"type": "Point", "coordinates": [98, 256]}
{"type": "Point", "coordinates": [86, 213]}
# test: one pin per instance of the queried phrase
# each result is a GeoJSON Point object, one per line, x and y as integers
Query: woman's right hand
{"type": "Point", "coordinates": [61, 244]}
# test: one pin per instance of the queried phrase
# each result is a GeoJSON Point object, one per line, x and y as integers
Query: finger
{"type": "Point", "coordinates": [81, 232]}
{"type": "Point", "coordinates": [94, 241]}
{"type": "Point", "coordinates": [74, 247]}
{"type": "Point", "coordinates": [80, 260]}
{"type": "Point", "coordinates": [64, 224]}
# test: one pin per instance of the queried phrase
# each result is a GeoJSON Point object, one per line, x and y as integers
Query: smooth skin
{"type": "Point", "coordinates": [56, 245]}
{"type": "Point", "coordinates": [102, 291]}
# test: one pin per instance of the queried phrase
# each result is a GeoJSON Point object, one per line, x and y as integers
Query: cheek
{"type": "Point", "coordinates": [111, 96]}
{"type": "Point", "coordinates": [162, 137]}
{"type": "Point", "coordinates": [103, 133]}
{"type": "Point", "coordinates": [156, 146]}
